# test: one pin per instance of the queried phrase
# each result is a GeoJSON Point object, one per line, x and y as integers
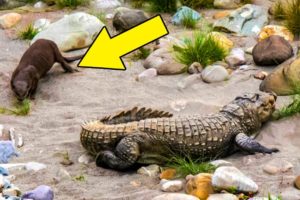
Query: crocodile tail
{"type": "Point", "coordinates": [135, 114]}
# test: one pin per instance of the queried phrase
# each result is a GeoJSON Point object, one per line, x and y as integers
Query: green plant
{"type": "Point", "coordinates": [137, 3]}
{"type": "Point", "coordinates": [202, 48]}
{"type": "Point", "coordinates": [21, 108]}
{"type": "Point", "coordinates": [270, 197]}
{"type": "Point", "coordinates": [188, 21]}
{"type": "Point", "coordinates": [71, 3]}
{"type": "Point", "coordinates": [292, 16]}
{"type": "Point", "coordinates": [287, 111]}
{"type": "Point", "coordinates": [142, 53]}
{"type": "Point", "coordinates": [163, 5]}
{"type": "Point", "coordinates": [80, 178]}
{"type": "Point", "coordinates": [28, 32]}
{"type": "Point", "coordinates": [278, 10]}
{"type": "Point", "coordinates": [186, 165]}
{"type": "Point", "coordinates": [247, 1]}
{"type": "Point", "coordinates": [100, 15]}
{"type": "Point", "coordinates": [198, 3]}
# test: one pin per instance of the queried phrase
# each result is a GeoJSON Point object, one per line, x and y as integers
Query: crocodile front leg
{"type": "Point", "coordinates": [123, 157]}
{"type": "Point", "coordinates": [251, 146]}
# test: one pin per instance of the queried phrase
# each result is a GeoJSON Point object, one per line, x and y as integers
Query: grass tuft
{"type": "Point", "coordinates": [141, 54]}
{"type": "Point", "coordinates": [100, 15]}
{"type": "Point", "coordinates": [163, 5]}
{"type": "Point", "coordinates": [137, 3]}
{"type": "Point", "coordinates": [71, 3]}
{"type": "Point", "coordinates": [186, 166]}
{"type": "Point", "coordinates": [198, 3]}
{"type": "Point", "coordinates": [290, 110]}
{"type": "Point", "coordinates": [292, 16]}
{"type": "Point", "coordinates": [278, 10]}
{"type": "Point", "coordinates": [202, 48]}
{"type": "Point", "coordinates": [28, 33]}
{"type": "Point", "coordinates": [21, 108]}
{"type": "Point", "coordinates": [188, 20]}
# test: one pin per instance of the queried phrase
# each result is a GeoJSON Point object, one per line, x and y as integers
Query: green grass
{"type": "Point", "coordinates": [292, 16]}
{"type": "Point", "coordinates": [201, 48]}
{"type": "Point", "coordinates": [141, 54]}
{"type": "Point", "coordinates": [163, 5]}
{"type": "Point", "coordinates": [137, 3]}
{"type": "Point", "coordinates": [71, 3]}
{"type": "Point", "coordinates": [21, 108]}
{"type": "Point", "coordinates": [28, 33]}
{"type": "Point", "coordinates": [100, 15]}
{"type": "Point", "coordinates": [270, 197]}
{"type": "Point", "coordinates": [278, 10]}
{"type": "Point", "coordinates": [198, 3]}
{"type": "Point", "coordinates": [185, 166]}
{"type": "Point", "coordinates": [289, 110]}
{"type": "Point", "coordinates": [188, 20]}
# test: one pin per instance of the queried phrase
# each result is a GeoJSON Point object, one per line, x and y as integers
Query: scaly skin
{"type": "Point", "coordinates": [145, 136]}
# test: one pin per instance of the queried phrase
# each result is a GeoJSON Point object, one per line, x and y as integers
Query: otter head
{"type": "Point", "coordinates": [252, 109]}
{"type": "Point", "coordinates": [21, 89]}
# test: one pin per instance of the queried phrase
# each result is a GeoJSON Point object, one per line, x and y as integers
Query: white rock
{"type": "Point", "coordinates": [188, 81]}
{"type": "Point", "coordinates": [41, 24]}
{"type": "Point", "coordinates": [85, 159]}
{"type": "Point", "coordinates": [40, 5]}
{"type": "Point", "coordinates": [175, 196]}
{"type": "Point", "coordinates": [74, 31]}
{"type": "Point", "coordinates": [1, 130]}
{"type": "Point", "coordinates": [109, 16]}
{"type": "Point", "coordinates": [171, 186]}
{"type": "Point", "coordinates": [214, 73]}
{"type": "Point", "coordinates": [221, 163]}
{"type": "Point", "coordinates": [147, 74]}
{"type": "Point", "coordinates": [226, 196]}
{"type": "Point", "coordinates": [106, 4]}
{"type": "Point", "coordinates": [151, 170]}
{"type": "Point", "coordinates": [230, 177]}
{"type": "Point", "coordinates": [35, 166]}
{"type": "Point", "coordinates": [9, 20]}
{"type": "Point", "coordinates": [236, 58]}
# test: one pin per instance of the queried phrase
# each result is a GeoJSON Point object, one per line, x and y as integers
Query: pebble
{"type": "Point", "coordinates": [225, 196]}
{"type": "Point", "coordinates": [178, 105]}
{"type": "Point", "coordinates": [85, 159]}
{"type": "Point", "coordinates": [195, 68]}
{"type": "Point", "coordinates": [236, 58]}
{"type": "Point", "coordinates": [167, 174]}
{"type": "Point", "coordinates": [175, 196]}
{"type": "Point", "coordinates": [151, 170]}
{"type": "Point", "coordinates": [14, 191]}
{"type": "Point", "coordinates": [214, 73]}
{"type": "Point", "coordinates": [147, 74]}
{"type": "Point", "coordinates": [35, 166]}
{"type": "Point", "coordinates": [261, 75]}
{"type": "Point", "coordinates": [277, 166]}
{"type": "Point", "coordinates": [171, 186]}
{"type": "Point", "coordinates": [228, 178]}
{"type": "Point", "coordinates": [200, 185]}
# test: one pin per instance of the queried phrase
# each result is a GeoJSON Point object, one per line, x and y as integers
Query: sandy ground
{"type": "Point", "coordinates": [63, 101]}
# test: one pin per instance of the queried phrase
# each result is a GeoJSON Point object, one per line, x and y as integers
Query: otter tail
{"type": "Point", "coordinates": [73, 58]}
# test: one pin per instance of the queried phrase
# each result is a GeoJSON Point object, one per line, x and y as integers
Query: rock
{"type": "Point", "coordinates": [247, 20]}
{"type": "Point", "coordinates": [272, 51]}
{"type": "Point", "coordinates": [249, 50]}
{"type": "Point", "coordinates": [41, 24]}
{"type": "Point", "coordinates": [2, 181]}
{"type": "Point", "coordinates": [230, 178]}
{"type": "Point", "coordinates": [171, 186]}
{"type": "Point", "coordinates": [261, 75]}
{"type": "Point", "coordinates": [182, 12]}
{"type": "Point", "coordinates": [147, 74]}
{"type": "Point", "coordinates": [236, 58]}
{"type": "Point", "coordinates": [277, 166]}
{"type": "Point", "coordinates": [167, 174]}
{"type": "Point", "coordinates": [126, 18]}
{"type": "Point", "coordinates": [9, 20]}
{"type": "Point", "coordinates": [221, 14]}
{"type": "Point", "coordinates": [214, 73]}
{"type": "Point", "coordinates": [283, 79]}
{"type": "Point", "coordinates": [151, 170]}
{"type": "Point", "coordinates": [74, 31]}
{"type": "Point", "coordinates": [42, 192]}
{"type": "Point", "coordinates": [13, 191]}
{"type": "Point", "coordinates": [221, 163]}
{"type": "Point", "coordinates": [34, 166]}
{"type": "Point", "coordinates": [227, 4]}
{"type": "Point", "coordinates": [176, 196]}
{"type": "Point", "coordinates": [222, 40]}
{"type": "Point", "coordinates": [40, 5]}
{"type": "Point", "coordinates": [188, 81]}
{"type": "Point", "coordinates": [164, 62]}
{"type": "Point", "coordinates": [222, 197]}
{"type": "Point", "coordinates": [200, 186]}
{"type": "Point", "coordinates": [106, 4]}
{"type": "Point", "coordinates": [178, 105]}
{"type": "Point", "coordinates": [195, 68]}
{"type": "Point", "coordinates": [270, 30]}
{"type": "Point", "coordinates": [297, 182]}
{"type": "Point", "coordinates": [85, 159]}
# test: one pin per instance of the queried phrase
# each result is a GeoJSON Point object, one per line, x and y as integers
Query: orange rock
{"type": "Point", "coordinates": [261, 75]}
{"type": "Point", "coordinates": [200, 186]}
{"type": "Point", "coordinates": [221, 14]}
{"type": "Point", "coordinates": [9, 20]}
{"type": "Point", "coordinates": [270, 30]}
{"type": "Point", "coordinates": [297, 182]}
{"type": "Point", "coordinates": [167, 174]}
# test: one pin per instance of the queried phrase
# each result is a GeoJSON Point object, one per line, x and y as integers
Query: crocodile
{"type": "Point", "coordinates": [146, 136]}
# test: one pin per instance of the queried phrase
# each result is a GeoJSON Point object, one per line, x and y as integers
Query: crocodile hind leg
{"type": "Point", "coordinates": [251, 146]}
{"type": "Point", "coordinates": [123, 157]}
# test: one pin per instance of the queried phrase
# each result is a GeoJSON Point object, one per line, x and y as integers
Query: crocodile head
{"type": "Point", "coordinates": [252, 109]}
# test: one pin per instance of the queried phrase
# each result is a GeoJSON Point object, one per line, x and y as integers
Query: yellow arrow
{"type": "Point", "coordinates": [106, 51]}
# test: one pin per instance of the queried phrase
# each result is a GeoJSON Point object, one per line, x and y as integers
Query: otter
{"type": "Point", "coordinates": [34, 64]}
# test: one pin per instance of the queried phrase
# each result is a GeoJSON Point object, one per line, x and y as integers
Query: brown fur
{"type": "Point", "coordinates": [34, 64]}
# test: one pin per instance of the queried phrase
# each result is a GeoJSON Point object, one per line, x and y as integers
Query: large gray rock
{"type": "Point", "coordinates": [126, 18]}
{"type": "Point", "coordinates": [227, 4]}
{"type": "Point", "coordinates": [74, 31]}
{"type": "Point", "coordinates": [247, 20]}
{"type": "Point", "coordinates": [163, 60]}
